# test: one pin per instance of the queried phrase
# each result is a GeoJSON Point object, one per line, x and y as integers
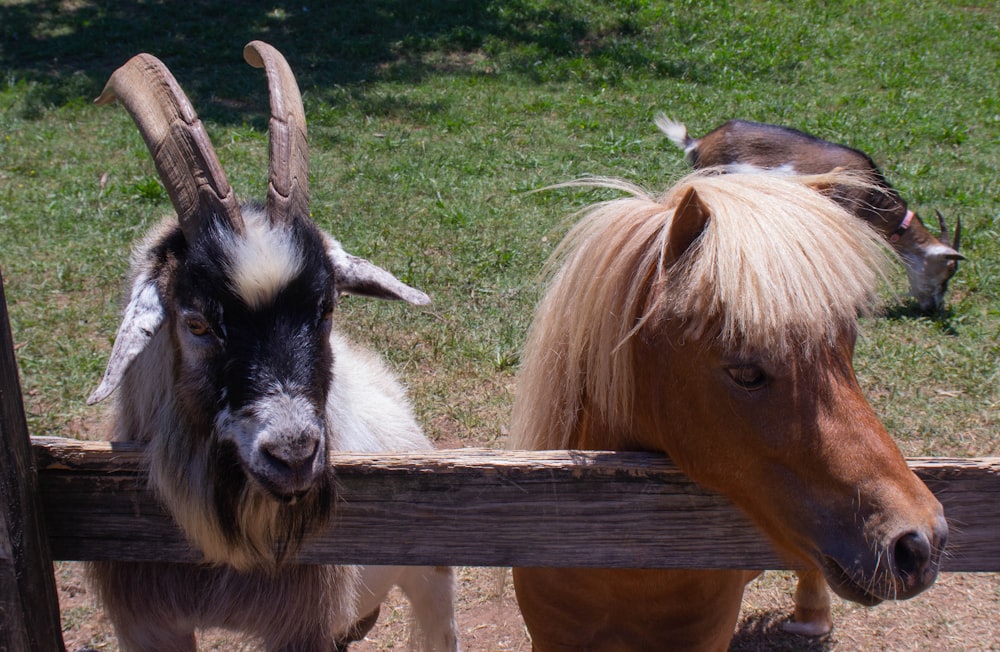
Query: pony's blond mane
{"type": "Point", "coordinates": [778, 267]}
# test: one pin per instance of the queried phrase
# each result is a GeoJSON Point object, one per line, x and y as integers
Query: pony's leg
{"type": "Point", "coordinates": [812, 606]}
{"type": "Point", "coordinates": [431, 592]}
{"type": "Point", "coordinates": [614, 610]}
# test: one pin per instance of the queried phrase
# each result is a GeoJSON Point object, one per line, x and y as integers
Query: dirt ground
{"type": "Point", "coordinates": [960, 613]}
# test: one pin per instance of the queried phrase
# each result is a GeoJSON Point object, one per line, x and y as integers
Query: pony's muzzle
{"type": "Point", "coordinates": [905, 565]}
{"type": "Point", "coordinates": [916, 557]}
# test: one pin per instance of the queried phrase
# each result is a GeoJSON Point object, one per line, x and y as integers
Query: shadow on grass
{"type": "Point", "coordinates": [762, 631]}
{"type": "Point", "coordinates": [65, 50]}
{"type": "Point", "coordinates": [910, 311]}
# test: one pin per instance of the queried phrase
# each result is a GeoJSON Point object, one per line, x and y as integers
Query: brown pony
{"type": "Point", "coordinates": [716, 323]}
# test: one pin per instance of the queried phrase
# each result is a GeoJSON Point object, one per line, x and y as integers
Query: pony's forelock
{"type": "Point", "coordinates": [777, 266]}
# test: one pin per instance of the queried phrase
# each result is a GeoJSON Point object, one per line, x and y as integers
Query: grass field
{"type": "Point", "coordinates": [430, 123]}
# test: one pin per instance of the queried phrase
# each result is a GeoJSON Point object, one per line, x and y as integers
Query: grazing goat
{"type": "Point", "coordinates": [930, 262]}
{"type": "Point", "coordinates": [227, 367]}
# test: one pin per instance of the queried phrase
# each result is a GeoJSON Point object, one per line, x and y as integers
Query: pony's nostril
{"type": "Point", "coordinates": [911, 555]}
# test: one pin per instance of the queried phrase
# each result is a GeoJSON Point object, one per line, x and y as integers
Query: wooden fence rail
{"type": "Point", "coordinates": [474, 507]}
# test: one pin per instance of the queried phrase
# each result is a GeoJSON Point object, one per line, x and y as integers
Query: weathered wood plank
{"type": "Point", "coordinates": [29, 606]}
{"type": "Point", "coordinates": [14, 632]}
{"type": "Point", "coordinates": [489, 508]}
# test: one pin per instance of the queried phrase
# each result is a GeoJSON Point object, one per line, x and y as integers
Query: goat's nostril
{"type": "Point", "coordinates": [288, 458]}
{"type": "Point", "coordinates": [275, 461]}
{"type": "Point", "coordinates": [310, 457]}
{"type": "Point", "coordinates": [911, 555]}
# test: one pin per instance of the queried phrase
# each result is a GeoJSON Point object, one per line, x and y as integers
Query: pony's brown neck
{"type": "Point", "coordinates": [591, 434]}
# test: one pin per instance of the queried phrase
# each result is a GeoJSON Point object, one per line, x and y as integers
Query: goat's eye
{"type": "Point", "coordinates": [749, 377]}
{"type": "Point", "coordinates": [198, 326]}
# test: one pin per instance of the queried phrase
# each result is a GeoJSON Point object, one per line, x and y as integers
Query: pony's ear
{"type": "Point", "coordinates": [142, 319]}
{"type": "Point", "coordinates": [362, 277]}
{"type": "Point", "coordinates": [690, 218]}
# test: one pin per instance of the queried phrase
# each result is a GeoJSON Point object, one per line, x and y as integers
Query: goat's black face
{"type": "Point", "coordinates": [253, 321]}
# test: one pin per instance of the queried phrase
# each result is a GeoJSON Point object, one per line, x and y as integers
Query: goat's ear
{"type": "Point", "coordinates": [946, 252]}
{"type": "Point", "coordinates": [143, 317]}
{"type": "Point", "coordinates": [358, 276]}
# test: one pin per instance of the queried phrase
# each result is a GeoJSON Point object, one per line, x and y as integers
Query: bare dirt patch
{"type": "Point", "coordinates": [961, 612]}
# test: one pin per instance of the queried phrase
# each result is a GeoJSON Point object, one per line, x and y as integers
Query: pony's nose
{"type": "Point", "coordinates": [911, 554]}
{"type": "Point", "coordinates": [915, 559]}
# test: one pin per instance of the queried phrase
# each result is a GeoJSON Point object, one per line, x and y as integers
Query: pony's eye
{"type": "Point", "coordinates": [749, 377]}
{"type": "Point", "coordinates": [198, 326]}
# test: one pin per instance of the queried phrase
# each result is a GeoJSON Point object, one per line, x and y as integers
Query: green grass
{"type": "Point", "coordinates": [431, 121]}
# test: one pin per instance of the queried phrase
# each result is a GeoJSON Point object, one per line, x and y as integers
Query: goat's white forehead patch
{"type": "Point", "coordinates": [262, 261]}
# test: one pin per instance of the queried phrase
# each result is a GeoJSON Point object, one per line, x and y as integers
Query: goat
{"type": "Point", "coordinates": [228, 367]}
{"type": "Point", "coordinates": [738, 144]}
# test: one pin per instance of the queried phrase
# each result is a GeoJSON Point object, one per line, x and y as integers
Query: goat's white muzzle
{"type": "Point", "coordinates": [281, 443]}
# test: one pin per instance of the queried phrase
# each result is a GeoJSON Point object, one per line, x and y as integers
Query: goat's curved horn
{"type": "Point", "coordinates": [178, 142]}
{"type": "Point", "coordinates": [288, 170]}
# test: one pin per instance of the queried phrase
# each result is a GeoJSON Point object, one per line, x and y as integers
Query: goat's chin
{"type": "Point", "coordinates": [276, 530]}
{"type": "Point", "coordinates": [248, 527]}
{"type": "Point", "coordinates": [235, 520]}
{"type": "Point", "coordinates": [288, 495]}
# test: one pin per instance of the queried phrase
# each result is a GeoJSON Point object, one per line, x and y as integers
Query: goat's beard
{"type": "Point", "coordinates": [252, 528]}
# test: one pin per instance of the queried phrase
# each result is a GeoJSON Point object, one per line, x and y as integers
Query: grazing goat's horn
{"type": "Point", "coordinates": [943, 237]}
{"type": "Point", "coordinates": [944, 231]}
{"type": "Point", "coordinates": [178, 142]}
{"type": "Point", "coordinates": [288, 170]}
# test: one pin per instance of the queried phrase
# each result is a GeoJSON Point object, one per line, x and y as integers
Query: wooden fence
{"type": "Point", "coordinates": [71, 500]}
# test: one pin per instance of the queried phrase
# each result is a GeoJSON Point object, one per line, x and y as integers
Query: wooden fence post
{"type": "Point", "coordinates": [29, 603]}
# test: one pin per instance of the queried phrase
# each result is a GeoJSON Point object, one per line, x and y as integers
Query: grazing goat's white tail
{"type": "Point", "coordinates": [676, 132]}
